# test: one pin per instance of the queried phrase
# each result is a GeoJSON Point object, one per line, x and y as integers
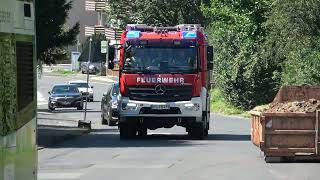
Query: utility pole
{"type": "Point", "coordinates": [87, 93]}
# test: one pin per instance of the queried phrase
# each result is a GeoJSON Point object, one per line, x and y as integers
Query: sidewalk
{"type": "Point", "coordinates": [109, 79]}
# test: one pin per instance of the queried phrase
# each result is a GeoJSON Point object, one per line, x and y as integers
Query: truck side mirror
{"type": "Point", "coordinates": [210, 57]}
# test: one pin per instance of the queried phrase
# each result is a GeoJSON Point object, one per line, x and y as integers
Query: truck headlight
{"type": "Point", "coordinates": [192, 107]}
{"type": "Point", "coordinates": [129, 106]}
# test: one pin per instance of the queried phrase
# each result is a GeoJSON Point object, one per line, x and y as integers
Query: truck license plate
{"type": "Point", "coordinates": [160, 107]}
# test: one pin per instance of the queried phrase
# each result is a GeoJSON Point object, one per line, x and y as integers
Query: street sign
{"type": "Point", "coordinates": [74, 61]}
{"type": "Point", "coordinates": [104, 46]}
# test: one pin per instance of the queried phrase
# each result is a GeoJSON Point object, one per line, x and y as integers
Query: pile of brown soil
{"type": "Point", "coordinates": [312, 105]}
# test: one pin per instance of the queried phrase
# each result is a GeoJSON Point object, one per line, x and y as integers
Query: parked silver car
{"type": "Point", "coordinates": [92, 68]}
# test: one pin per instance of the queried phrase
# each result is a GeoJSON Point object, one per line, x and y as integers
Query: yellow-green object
{"type": "Point", "coordinates": [18, 149]}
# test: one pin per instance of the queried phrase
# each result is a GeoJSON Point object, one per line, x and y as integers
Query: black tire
{"type": "Point", "coordinates": [127, 131]}
{"type": "Point", "coordinates": [91, 100]}
{"type": "Point", "coordinates": [51, 108]}
{"type": "Point", "coordinates": [103, 121]}
{"type": "Point", "coordinates": [197, 130]}
{"type": "Point", "coordinates": [206, 131]}
{"type": "Point", "coordinates": [142, 132]}
{"type": "Point", "coordinates": [80, 107]}
{"type": "Point", "coordinates": [112, 123]}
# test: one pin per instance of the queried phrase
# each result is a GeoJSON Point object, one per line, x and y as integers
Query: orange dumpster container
{"type": "Point", "coordinates": [286, 134]}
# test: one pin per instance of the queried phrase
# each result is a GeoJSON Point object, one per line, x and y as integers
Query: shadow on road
{"type": "Point", "coordinates": [229, 137]}
{"type": "Point", "coordinates": [68, 111]}
{"type": "Point", "coordinates": [49, 136]}
{"type": "Point", "coordinates": [109, 138]}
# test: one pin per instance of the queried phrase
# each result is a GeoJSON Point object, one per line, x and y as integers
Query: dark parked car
{"type": "Point", "coordinates": [109, 106]}
{"type": "Point", "coordinates": [63, 96]}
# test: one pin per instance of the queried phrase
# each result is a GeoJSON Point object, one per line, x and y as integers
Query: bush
{"type": "Point", "coordinates": [236, 32]}
{"type": "Point", "coordinates": [293, 40]}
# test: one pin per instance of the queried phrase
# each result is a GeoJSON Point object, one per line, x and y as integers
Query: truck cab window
{"type": "Point", "coordinates": [161, 60]}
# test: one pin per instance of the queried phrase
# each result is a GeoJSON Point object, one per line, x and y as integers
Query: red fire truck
{"type": "Point", "coordinates": [164, 79]}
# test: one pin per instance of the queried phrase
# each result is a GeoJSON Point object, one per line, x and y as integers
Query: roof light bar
{"type": "Point", "coordinates": [180, 27]}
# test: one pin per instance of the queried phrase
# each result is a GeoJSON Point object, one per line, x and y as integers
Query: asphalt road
{"type": "Point", "coordinates": [166, 154]}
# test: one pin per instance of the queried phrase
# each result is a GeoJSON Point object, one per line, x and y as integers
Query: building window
{"type": "Point", "coordinates": [27, 10]}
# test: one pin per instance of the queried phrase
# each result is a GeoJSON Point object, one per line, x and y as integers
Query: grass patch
{"type": "Point", "coordinates": [220, 105]}
{"type": "Point", "coordinates": [64, 72]}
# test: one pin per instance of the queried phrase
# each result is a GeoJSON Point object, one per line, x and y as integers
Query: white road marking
{"type": "Point", "coordinates": [57, 175]}
{"type": "Point", "coordinates": [102, 78]}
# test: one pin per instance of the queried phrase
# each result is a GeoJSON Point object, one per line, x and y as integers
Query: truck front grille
{"type": "Point", "coordinates": [170, 94]}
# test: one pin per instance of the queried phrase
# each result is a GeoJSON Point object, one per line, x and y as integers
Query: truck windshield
{"type": "Point", "coordinates": [161, 60]}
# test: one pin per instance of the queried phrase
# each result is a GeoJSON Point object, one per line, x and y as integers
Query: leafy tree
{"type": "Point", "coordinates": [158, 12]}
{"type": "Point", "coordinates": [236, 31]}
{"type": "Point", "coordinates": [51, 33]}
{"type": "Point", "coordinates": [293, 40]}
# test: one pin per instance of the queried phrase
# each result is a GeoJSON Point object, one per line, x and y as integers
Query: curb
{"type": "Point", "coordinates": [103, 78]}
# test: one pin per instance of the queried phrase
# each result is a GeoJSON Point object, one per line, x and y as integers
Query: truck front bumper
{"type": "Point", "coordinates": [180, 109]}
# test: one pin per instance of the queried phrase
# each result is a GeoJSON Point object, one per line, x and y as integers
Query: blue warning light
{"type": "Point", "coordinates": [133, 34]}
{"type": "Point", "coordinates": [189, 34]}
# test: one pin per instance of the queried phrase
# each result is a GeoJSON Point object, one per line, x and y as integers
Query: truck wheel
{"type": "Point", "coordinates": [198, 130]}
{"type": "Point", "coordinates": [142, 132]}
{"type": "Point", "coordinates": [207, 121]}
{"type": "Point", "coordinates": [127, 131]}
{"type": "Point", "coordinates": [206, 133]}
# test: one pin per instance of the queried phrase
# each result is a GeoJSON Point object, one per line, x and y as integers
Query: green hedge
{"type": "Point", "coordinates": [8, 100]}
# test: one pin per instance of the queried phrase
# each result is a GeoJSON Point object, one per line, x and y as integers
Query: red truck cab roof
{"type": "Point", "coordinates": [179, 32]}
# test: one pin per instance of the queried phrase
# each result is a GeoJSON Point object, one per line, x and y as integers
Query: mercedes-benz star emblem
{"type": "Point", "coordinates": [160, 89]}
